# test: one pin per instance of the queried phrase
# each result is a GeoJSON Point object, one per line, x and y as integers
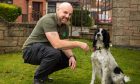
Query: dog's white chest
{"type": "Point", "coordinates": [101, 55]}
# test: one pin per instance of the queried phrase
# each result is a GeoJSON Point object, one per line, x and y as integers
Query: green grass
{"type": "Point", "coordinates": [14, 71]}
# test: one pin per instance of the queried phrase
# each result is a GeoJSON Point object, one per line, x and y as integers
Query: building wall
{"type": "Point", "coordinates": [26, 6]}
{"type": "Point", "coordinates": [22, 4]}
{"type": "Point", "coordinates": [126, 23]}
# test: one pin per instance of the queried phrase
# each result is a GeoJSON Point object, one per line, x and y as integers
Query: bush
{"type": "Point", "coordinates": [81, 18]}
{"type": "Point", "coordinates": [9, 12]}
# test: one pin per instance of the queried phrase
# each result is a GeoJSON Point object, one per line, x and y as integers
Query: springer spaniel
{"type": "Point", "coordinates": [103, 63]}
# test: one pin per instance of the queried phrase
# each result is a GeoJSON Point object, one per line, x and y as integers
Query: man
{"type": "Point", "coordinates": [48, 47]}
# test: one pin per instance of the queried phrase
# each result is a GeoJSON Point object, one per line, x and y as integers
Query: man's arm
{"type": "Point", "coordinates": [57, 43]}
{"type": "Point", "coordinates": [68, 52]}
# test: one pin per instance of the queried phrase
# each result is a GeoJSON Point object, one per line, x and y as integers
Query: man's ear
{"type": "Point", "coordinates": [57, 8]}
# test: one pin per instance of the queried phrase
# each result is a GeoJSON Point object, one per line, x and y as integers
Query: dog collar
{"type": "Point", "coordinates": [97, 48]}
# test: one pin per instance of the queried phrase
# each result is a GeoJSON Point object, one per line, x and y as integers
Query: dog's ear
{"type": "Point", "coordinates": [106, 38]}
{"type": "Point", "coordinates": [94, 40]}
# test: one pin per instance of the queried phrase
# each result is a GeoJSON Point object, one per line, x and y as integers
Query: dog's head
{"type": "Point", "coordinates": [118, 76]}
{"type": "Point", "coordinates": [101, 39]}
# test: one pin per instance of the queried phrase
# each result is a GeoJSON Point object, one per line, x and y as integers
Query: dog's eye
{"type": "Point", "coordinates": [103, 32]}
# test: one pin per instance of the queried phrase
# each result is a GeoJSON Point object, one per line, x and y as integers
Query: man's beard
{"type": "Point", "coordinates": [64, 20]}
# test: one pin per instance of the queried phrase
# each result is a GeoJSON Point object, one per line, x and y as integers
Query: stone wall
{"type": "Point", "coordinates": [126, 23]}
{"type": "Point", "coordinates": [13, 35]}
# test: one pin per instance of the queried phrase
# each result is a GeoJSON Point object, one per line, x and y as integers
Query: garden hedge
{"type": "Point", "coordinates": [9, 12]}
{"type": "Point", "coordinates": [81, 18]}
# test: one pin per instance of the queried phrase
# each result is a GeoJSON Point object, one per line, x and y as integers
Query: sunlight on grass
{"type": "Point", "coordinates": [14, 71]}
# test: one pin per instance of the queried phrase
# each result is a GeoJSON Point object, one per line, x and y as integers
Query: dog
{"type": "Point", "coordinates": [103, 63]}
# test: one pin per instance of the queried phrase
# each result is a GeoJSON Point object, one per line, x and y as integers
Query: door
{"type": "Point", "coordinates": [36, 11]}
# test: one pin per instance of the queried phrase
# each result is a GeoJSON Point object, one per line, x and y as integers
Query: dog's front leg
{"type": "Point", "coordinates": [93, 73]}
{"type": "Point", "coordinates": [104, 75]}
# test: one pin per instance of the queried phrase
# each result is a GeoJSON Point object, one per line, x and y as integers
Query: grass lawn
{"type": "Point", "coordinates": [14, 71]}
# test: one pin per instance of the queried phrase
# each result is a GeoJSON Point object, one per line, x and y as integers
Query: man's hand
{"type": "Point", "coordinates": [72, 62]}
{"type": "Point", "coordinates": [84, 46]}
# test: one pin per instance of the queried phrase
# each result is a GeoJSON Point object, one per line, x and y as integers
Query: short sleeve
{"type": "Point", "coordinates": [49, 25]}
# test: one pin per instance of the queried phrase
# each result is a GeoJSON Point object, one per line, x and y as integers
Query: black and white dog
{"type": "Point", "coordinates": [103, 63]}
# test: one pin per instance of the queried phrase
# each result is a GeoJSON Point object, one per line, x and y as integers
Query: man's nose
{"type": "Point", "coordinates": [67, 15]}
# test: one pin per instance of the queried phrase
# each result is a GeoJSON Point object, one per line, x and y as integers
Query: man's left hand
{"type": "Point", "coordinates": [72, 62]}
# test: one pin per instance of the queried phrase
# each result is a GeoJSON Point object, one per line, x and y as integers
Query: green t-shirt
{"type": "Point", "coordinates": [47, 23]}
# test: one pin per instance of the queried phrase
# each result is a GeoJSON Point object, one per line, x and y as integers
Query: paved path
{"type": "Point", "coordinates": [76, 30]}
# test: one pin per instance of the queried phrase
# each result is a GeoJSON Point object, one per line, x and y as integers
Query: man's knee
{"type": "Point", "coordinates": [54, 54]}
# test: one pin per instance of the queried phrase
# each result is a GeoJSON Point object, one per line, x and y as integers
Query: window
{"type": "Point", "coordinates": [104, 18]}
{"type": "Point", "coordinates": [6, 1]}
{"type": "Point", "coordinates": [51, 7]}
{"type": "Point", "coordinates": [104, 11]}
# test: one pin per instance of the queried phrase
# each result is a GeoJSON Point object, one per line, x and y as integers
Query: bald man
{"type": "Point", "coordinates": [48, 45]}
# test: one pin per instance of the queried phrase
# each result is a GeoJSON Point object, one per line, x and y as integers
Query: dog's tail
{"type": "Point", "coordinates": [126, 79]}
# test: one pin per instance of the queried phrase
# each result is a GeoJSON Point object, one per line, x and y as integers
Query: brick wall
{"type": "Point", "coordinates": [27, 8]}
{"type": "Point", "coordinates": [126, 23]}
{"type": "Point", "coordinates": [12, 36]}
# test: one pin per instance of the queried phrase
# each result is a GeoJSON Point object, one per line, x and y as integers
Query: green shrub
{"type": "Point", "coordinates": [9, 12]}
{"type": "Point", "coordinates": [81, 18]}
